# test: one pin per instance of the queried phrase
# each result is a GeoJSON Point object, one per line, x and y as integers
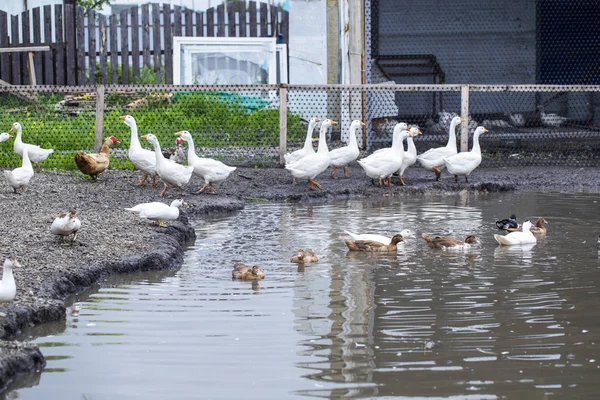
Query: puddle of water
{"type": "Point", "coordinates": [487, 323]}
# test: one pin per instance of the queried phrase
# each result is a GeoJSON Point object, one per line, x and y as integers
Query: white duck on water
{"type": "Point", "coordinates": [159, 212]}
{"type": "Point", "coordinates": [36, 153]}
{"type": "Point", "coordinates": [433, 159]}
{"type": "Point", "coordinates": [516, 238]}
{"type": "Point", "coordinates": [19, 177]}
{"type": "Point", "coordinates": [171, 173]}
{"type": "Point", "coordinates": [142, 159]}
{"type": "Point", "coordinates": [406, 233]}
{"type": "Point", "coordinates": [312, 165]}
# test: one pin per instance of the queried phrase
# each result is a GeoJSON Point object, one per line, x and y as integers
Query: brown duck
{"type": "Point", "coordinates": [444, 242]}
{"type": "Point", "coordinates": [246, 272]}
{"type": "Point", "coordinates": [371, 245]}
{"type": "Point", "coordinates": [304, 256]}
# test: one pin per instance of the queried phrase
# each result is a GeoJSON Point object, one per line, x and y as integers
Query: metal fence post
{"type": "Point", "coordinates": [282, 123]}
{"type": "Point", "coordinates": [464, 112]}
{"type": "Point", "coordinates": [99, 117]}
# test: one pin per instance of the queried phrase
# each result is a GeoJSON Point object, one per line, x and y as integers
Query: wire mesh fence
{"type": "Point", "coordinates": [251, 126]}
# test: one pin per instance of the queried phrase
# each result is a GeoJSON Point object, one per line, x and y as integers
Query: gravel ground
{"type": "Point", "coordinates": [113, 240]}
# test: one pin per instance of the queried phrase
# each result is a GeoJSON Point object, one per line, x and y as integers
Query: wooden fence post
{"type": "Point", "coordinates": [464, 112]}
{"type": "Point", "coordinates": [99, 117]}
{"type": "Point", "coordinates": [283, 88]}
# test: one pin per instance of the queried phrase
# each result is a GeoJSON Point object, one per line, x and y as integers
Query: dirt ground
{"type": "Point", "coordinates": [113, 240]}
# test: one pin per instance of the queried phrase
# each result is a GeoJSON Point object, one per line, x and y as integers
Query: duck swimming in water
{"type": "Point", "coordinates": [508, 223]}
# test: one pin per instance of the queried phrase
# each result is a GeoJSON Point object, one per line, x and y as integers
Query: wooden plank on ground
{"type": "Point", "coordinates": [264, 20]}
{"type": "Point", "coordinates": [156, 45]}
{"type": "Point", "coordinates": [59, 55]}
{"type": "Point", "coordinates": [168, 35]}
{"type": "Point", "coordinates": [253, 24]}
{"type": "Point", "coordinates": [135, 43]}
{"type": "Point", "coordinates": [103, 48]}
{"type": "Point", "coordinates": [221, 20]}
{"type": "Point", "coordinates": [146, 35]}
{"type": "Point", "coordinates": [114, 51]}
{"type": "Point", "coordinates": [80, 29]}
{"type": "Point", "coordinates": [91, 17]}
{"type": "Point", "coordinates": [4, 58]}
{"type": "Point", "coordinates": [71, 54]}
{"type": "Point", "coordinates": [124, 47]}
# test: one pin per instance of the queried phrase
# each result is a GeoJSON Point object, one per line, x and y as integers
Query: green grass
{"type": "Point", "coordinates": [215, 119]}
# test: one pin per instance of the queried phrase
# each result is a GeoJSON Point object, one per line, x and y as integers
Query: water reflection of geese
{"type": "Point", "coordinates": [518, 255]}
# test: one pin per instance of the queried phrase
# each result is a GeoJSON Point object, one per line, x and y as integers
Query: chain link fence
{"type": "Point", "coordinates": [251, 125]}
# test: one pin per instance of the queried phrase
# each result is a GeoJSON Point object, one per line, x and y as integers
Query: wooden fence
{"type": "Point", "coordinates": [89, 48]}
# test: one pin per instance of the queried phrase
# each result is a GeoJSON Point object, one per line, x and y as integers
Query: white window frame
{"type": "Point", "coordinates": [199, 45]}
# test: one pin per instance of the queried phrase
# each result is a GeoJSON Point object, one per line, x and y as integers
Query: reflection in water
{"type": "Point", "coordinates": [484, 323]}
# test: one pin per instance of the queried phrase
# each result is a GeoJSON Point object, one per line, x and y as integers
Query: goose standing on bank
{"type": "Point", "coordinates": [464, 163]}
{"type": "Point", "coordinates": [212, 171]}
{"type": "Point", "coordinates": [410, 155]}
{"type": "Point", "coordinates": [312, 165]}
{"type": "Point", "coordinates": [383, 163]}
{"type": "Point", "coordinates": [20, 177]}
{"type": "Point", "coordinates": [294, 156]}
{"type": "Point", "coordinates": [8, 288]}
{"type": "Point", "coordinates": [157, 211]}
{"type": "Point", "coordinates": [433, 159]}
{"type": "Point", "coordinates": [36, 153]}
{"type": "Point", "coordinates": [172, 174]}
{"type": "Point", "coordinates": [340, 158]}
{"type": "Point", "coordinates": [142, 159]}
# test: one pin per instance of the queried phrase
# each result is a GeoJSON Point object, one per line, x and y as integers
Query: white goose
{"type": "Point", "coordinates": [410, 155]}
{"type": "Point", "coordinates": [157, 211]}
{"type": "Point", "coordinates": [433, 159]}
{"type": "Point", "coordinates": [406, 233]}
{"type": "Point", "coordinates": [312, 165]}
{"type": "Point", "coordinates": [515, 238]}
{"type": "Point", "coordinates": [5, 136]}
{"type": "Point", "coordinates": [20, 177]}
{"type": "Point", "coordinates": [464, 163]}
{"type": "Point", "coordinates": [8, 288]}
{"type": "Point", "coordinates": [212, 171]}
{"type": "Point", "coordinates": [294, 156]}
{"type": "Point", "coordinates": [66, 224]}
{"type": "Point", "coordinates": [382, 164]}
{"type": "Point", "coordinates": [36, 153]}
{"type": "Point", "coordinates": [171, 173]}
{"type": "Point", "coordinates": [142, 159]}
{"type": "Point", "coordinates": [340, 158]}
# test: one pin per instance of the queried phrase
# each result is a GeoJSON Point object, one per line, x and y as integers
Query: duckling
{"type": "Point", "coordinates": [66, 224]}
{"type": "Point", "coordinates": [508, 223]}
{"type": "Point", "coordinates": [371, 245]}
{"type": "Point", "coordinates": [247, 273]}
{"type": "Point", "coordinates": [444, 242]}
{"type": "Point", "coordinates": [304, 256]}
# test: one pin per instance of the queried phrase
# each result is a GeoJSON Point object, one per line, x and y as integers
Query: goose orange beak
{"type": "Point", "coordinates": [144, 136]}
{"type": "Point", "coordinates": [362, 123]}
{"type": "Point", "coordinates": [333, 122]}
{"type": "Point", "coordinates": [123, 117]}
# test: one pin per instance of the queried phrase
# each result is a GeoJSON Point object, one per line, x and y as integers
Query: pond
{"type": "Point", "coordinates": [485, 323]}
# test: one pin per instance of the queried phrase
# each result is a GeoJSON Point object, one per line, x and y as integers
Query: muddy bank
{"type": "Point", "coordinates": [113, 240]}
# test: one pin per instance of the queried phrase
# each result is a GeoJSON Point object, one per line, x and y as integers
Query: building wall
{"type": "Point", "coordinates": [474, 41]}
